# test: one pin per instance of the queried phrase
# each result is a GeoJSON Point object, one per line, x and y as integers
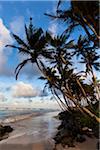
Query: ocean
{"type": "Point", "coordinates": [9, 113]}
{"type": "Point", "coordinates": [8, 116]}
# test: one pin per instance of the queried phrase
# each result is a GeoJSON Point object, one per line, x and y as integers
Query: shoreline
{"type": "Point", "coordinates": [16, 118]}
{"type": "Point", "coordinates": [37, 134]}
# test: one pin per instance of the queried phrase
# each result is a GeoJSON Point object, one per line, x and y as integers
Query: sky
{"type": "Point", "coordinates": [27, 90]}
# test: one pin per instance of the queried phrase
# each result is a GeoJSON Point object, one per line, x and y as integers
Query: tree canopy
{"type": "Point", "coordinates": [54, 56]}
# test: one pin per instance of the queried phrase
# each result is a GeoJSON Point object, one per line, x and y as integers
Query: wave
{"type": "Point", "coordinates": [13, 119]}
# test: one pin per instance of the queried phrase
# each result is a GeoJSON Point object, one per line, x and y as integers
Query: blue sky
{"type": "Point", "coordinates": [27, 91]}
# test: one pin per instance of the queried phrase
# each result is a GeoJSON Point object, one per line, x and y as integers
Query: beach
{"type": "Point", "coordinates": [36, 130]}
{"type": "Point", "coordinates": [36, 133]}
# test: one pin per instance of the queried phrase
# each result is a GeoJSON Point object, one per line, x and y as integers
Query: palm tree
{"type": "Point", "coordinates": [69, 83]}
{"type": "Point", "coordinates": [88, 56]}
{"type": "Point", "coordinates": [89, 12]}
{"type": "Point", "coordinates": [57, 72]}
{"type": "Point", "coordinates": [34, 47]}
{"type": "Point", "coordinates": [84, 14]}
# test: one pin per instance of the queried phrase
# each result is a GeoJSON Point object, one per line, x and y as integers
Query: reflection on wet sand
{"type": "Point", "coordinates": [32, 134]}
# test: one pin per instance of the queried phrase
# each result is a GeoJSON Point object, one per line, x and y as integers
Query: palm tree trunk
{"type": "Point", "coordinates": [83, 91]}
{"type": "Point", "coordinates": [64, 106]}
{"type": "Point", "coordinates": [60, 105]}
{"type": "Point", "coordinates": [83, 109]}
{"type": "Point", "coordinates": [88, 24]}
{"type": "Point", "coordinates": [91, 114]}
{"type": "Point", "coordinates": [95, 84]}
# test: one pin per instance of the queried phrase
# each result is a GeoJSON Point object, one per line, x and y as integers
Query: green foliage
{"type": "Point", "coordinates": [54, 56]}
{"type": "Point", "coordinates": [75, 126]}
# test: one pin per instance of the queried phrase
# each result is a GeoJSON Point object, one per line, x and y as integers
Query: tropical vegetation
{"type": "Point", "coordinates": [55, 56]}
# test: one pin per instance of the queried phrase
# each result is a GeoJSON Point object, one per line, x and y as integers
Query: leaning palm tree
{"type": "Point", "coordinates": [33, 47]}
{"type": "Point", "coordinates": [84, 14]}
{"type": "Point", "coordinates": [58, 72]}
{"type": "Point", "coordinates": [89, 12]}
{"type": "Point", "coordinates": [36, 49]}
{"type": "Point", "coordinates": [69, 83]}
{"type": "Point", "coordinates": [88, 56]}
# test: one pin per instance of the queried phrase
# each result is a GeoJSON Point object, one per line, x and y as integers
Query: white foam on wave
{"type": "Point", "coordinates": [32, 132]}
{"type": "Point", "coordinates": [17, 135]}
{"type": "Point", "coordinates": [15, 118]}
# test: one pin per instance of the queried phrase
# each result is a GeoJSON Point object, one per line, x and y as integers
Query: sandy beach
{"type": "Point", "coordinates": [36, 133]}
{"type": "Point", "coordinates": [90, 144]}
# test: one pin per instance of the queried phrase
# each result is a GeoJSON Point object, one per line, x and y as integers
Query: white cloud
{"type": "Point", "coordinates": [23, 90]}
{"type": "Point", "coordinates": [2, 97]}
{"type": "Point", "coordinates": [53, 28]}
{"type": "Point", "coordinates": [5, 38]}
{"type": "Point", "coordinates": [17, 25]}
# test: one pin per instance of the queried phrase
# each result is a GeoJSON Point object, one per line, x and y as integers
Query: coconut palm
{"type": "Point", "coordinates": [57, 72]}
{"type": "Point", "coordinates": [91, 59]}
{"type": "Point", "coordinates": [68, 83]}
{"type": "Point", "coordinates": [89, 12]}
{"type": "Point", "coordinates": [33, 47]}
{"type": "Point", "coordinates": [52, 80]}
{"type": "Point", "coordinates": [88, 55]}
{"type": "Point", "coordinates": [84, 14]}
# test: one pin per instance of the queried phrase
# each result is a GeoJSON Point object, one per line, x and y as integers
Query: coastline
{"type": "Point", "coordinates": [36, 133]}
{"type": "Point", "coordinates": [16, 118]}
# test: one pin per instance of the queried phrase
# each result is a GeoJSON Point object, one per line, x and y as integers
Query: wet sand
{"type": "Point", "coordinates": [32, 146]}
{"type": "Point", "coordinates": [90, 144]}
{"type": "Point", "coordinates": [33, 133]}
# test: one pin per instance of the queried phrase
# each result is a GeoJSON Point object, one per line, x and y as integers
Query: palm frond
{"type": "Point", "coordinates": [20, 66]}
{"type": "Point", "coordinates": [21, 50]}
{"type": "Point", "coordinates": [20, 41]}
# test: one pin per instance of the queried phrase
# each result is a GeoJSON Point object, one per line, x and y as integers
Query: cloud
{"type": "Point", "coordinates": [23, 90]}
{"type": "Point", "coordinates": [17, 25]}
{"type": "Point", "coordinates": [53, 28]}
{"type": "Point", "coordinates": [2, 97]}
{"type": "Point", "coordinates": [5, 38]}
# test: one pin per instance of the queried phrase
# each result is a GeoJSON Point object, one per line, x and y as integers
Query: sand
{"type": "Point", "coordinates": [32, 146]}
{"type": "Point", "coordinates": [90, 144]}
{"type": "Point", "coordinates": [36, 134]}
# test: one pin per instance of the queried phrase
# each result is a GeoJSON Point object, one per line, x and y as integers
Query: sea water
{"type": "Point", "coordinates": [7, 116]}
